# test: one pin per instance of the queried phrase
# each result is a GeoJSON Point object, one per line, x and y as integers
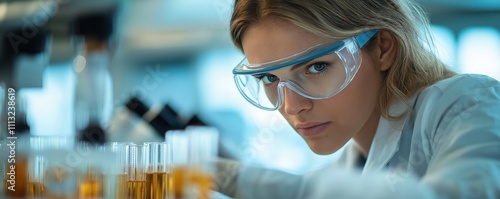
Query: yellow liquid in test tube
{"type": "Point", "coordinates": [202, 183]}
{"type": "Point", "coordinates": [182, 177]}
{"type": "Point", "coordinates": [136, 189]}
{"type": "Point", "coordinates": [90, 189]}
{"type": "Point", "coordinates": [35, 189]}
{"type": "Point", "coordinates": [91, 184]}
{"type": "Point", "coordinates": [179, 176]}
{"type": "Point", "coordinates": [121, 187]}
{"type": "Point", "coordinates": [156, 185]}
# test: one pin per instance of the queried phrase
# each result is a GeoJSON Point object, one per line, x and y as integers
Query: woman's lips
{"type": "Point", "coordinates": [311, 129]}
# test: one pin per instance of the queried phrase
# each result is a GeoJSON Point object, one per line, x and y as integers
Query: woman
{"type": "Point", "coordinates": [362, 70]}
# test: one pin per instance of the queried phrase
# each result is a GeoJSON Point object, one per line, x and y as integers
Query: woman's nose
{"type": "Point", "coordinates": [294, 103]}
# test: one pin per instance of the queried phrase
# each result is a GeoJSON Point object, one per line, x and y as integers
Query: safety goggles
{"type": "Point", "coordinates": [319, 72]}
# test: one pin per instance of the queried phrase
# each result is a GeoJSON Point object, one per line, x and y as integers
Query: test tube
{"type": "Point", "coordinates": [178, 141]}
{"type": "Point", "coordinates": [52, 167]}
{"type": "Point", "coordinates": [136, 179]}
{"type": "Point", "coordinates": [35, 167]}
{"type": "Point", "coordinates": [203, 148]}
{"type": "Point", "coordinates": [158, 169]}
{"type": "Point", "coordinates": [116, 172]}
{"type": "Point", "coordinates": [90, 171]}
{"type": "Point", "coordinates": [36, 174]}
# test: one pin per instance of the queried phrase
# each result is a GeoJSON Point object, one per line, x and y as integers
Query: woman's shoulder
{"type": "Point", "coordinates": [458, 93]}
{"type": "Point", "coordinates": [463, 85]}
{"type": "Point", "coordinates": [462, 100]}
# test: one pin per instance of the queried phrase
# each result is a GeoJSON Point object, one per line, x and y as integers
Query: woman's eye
{"type": "Point", "coordinates": [268, 79]}
{"type": "Point", "coordinates": [317, 68]}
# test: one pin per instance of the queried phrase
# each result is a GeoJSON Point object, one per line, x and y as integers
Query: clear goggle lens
{"type": "Point", "coordinates": [319, 78]}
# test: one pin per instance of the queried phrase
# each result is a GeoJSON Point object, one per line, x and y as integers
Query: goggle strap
{"type": "Point", "coordinates": [362, 39]}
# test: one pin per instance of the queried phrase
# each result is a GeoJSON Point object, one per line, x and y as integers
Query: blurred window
{"type": "Point", "coordinates": [479, 51]}
{"type": "Point", "coordinates": [446, 45]}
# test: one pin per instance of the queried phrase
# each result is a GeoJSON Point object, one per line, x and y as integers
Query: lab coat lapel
{"type": "Point", "coordinates": [386, 141]}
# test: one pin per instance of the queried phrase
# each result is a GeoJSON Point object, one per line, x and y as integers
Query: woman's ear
{"type": "Point", "coordinates": [385, 49]}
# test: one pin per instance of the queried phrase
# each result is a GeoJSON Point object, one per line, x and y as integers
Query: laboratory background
{"type": "Point", "coordinates": [133, 69]}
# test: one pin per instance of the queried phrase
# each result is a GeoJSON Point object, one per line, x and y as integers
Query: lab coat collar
{"type": "Point", "coordinates": [387, 137]}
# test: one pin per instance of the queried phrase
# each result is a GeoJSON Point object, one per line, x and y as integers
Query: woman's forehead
{"type": "Point", "coordinates": [274, 39]}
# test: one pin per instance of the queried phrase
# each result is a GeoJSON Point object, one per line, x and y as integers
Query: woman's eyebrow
{"type": "Point", "coordinates": [294, 67]}
{"type": "Point", "coordinates": [261, 74]}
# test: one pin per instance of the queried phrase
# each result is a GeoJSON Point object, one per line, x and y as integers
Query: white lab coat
{"type": "Point", "coordinates": [448, 147]}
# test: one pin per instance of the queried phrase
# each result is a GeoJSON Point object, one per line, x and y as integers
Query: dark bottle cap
{"type": "Point", "coordinates": [137, 106]}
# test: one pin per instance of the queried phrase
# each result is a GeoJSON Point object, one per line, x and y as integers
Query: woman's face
{"type": "Point", "coordinates": [326, 125]}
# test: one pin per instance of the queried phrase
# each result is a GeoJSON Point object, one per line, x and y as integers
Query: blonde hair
{"type": "Point", "coordinates": [415, 66]}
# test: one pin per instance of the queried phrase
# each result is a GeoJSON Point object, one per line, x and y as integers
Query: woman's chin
{"type": "Point", "coordinates": [322, 149]}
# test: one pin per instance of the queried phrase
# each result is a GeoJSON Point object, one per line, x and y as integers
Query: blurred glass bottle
{"type": "Point", "coordinates": [94, 88]}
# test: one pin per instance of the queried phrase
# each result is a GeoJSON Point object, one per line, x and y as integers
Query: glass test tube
{"type": "Point", "coordinates": [158, 169]}
{"type": "Point", "coordinates": [203, 149]}
{"type": "Point", "coordinates": [116, 172]}
{"type": "Point", "coordinates": [36, 168]}
{"type": "Point", "coordinates": [36, 174]}
{"type": "Point", "coordinates": [178, 141]}
{"type": "Point", "coordinates": [51, 163]}
{"type": "Point", "coordinates": [90, 171]}
{"type": "Point", "coordinates": [136, 179]}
